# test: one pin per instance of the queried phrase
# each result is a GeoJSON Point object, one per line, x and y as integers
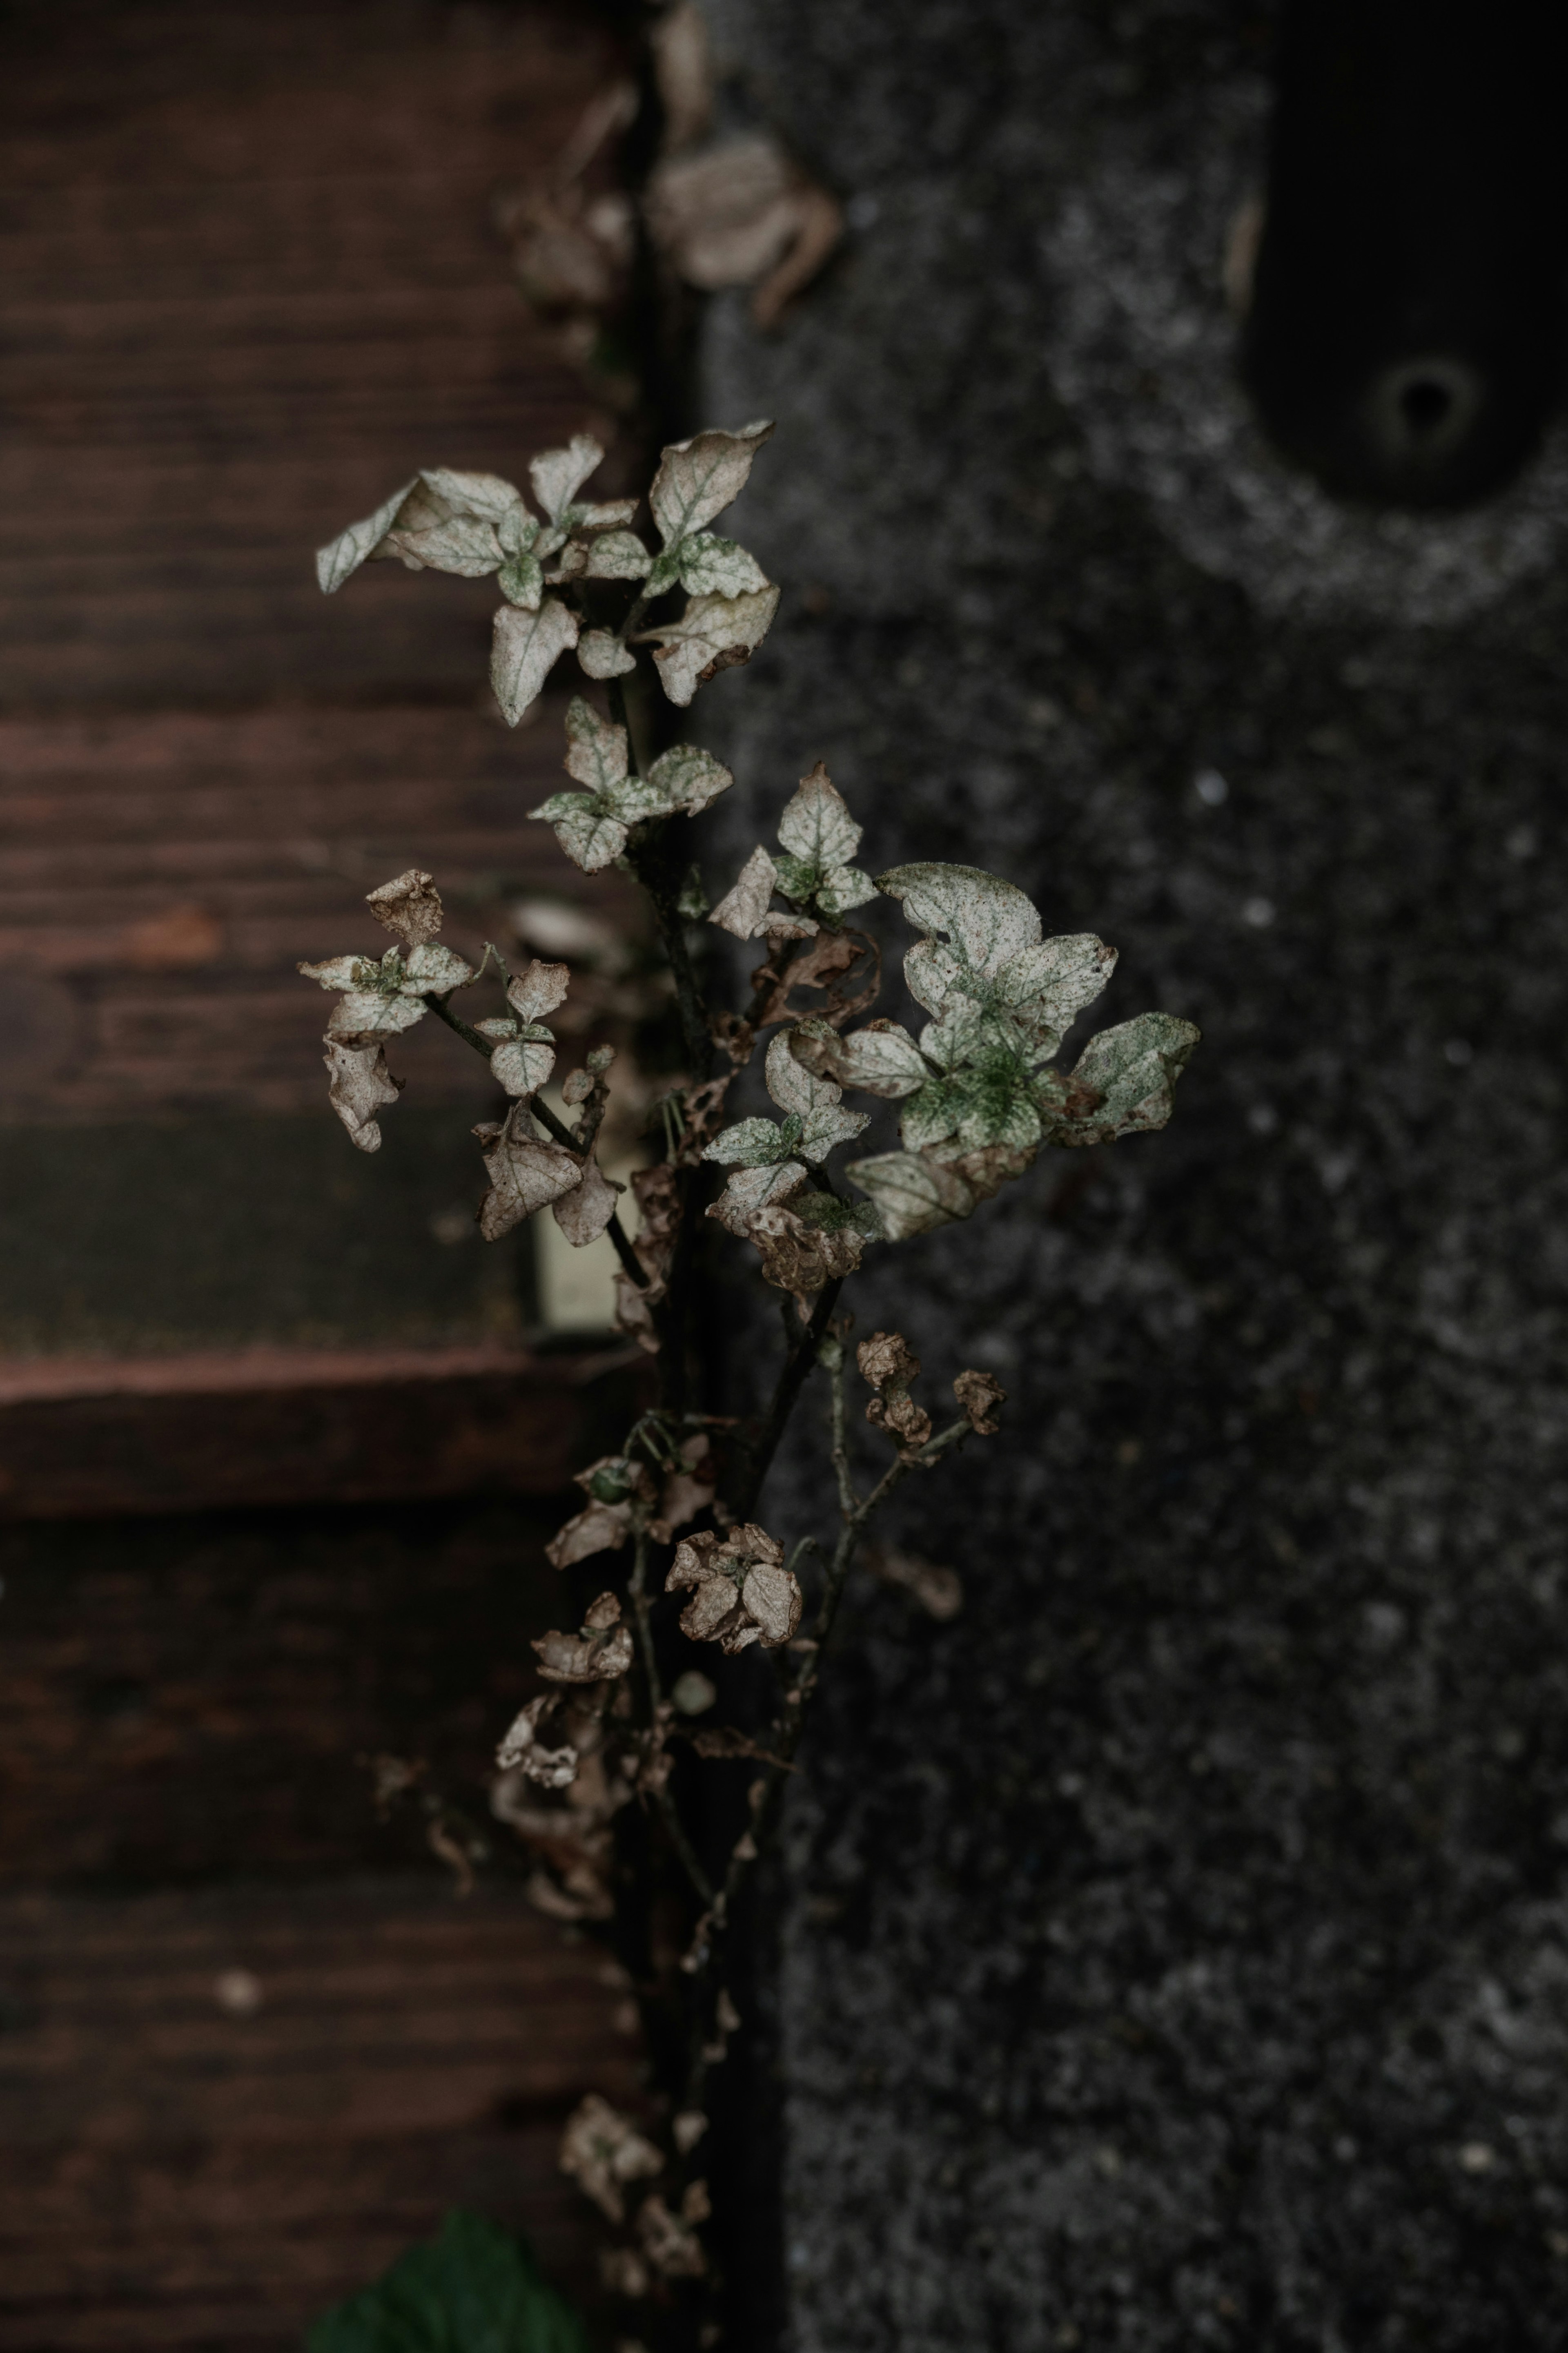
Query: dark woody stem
{"type": "Point", "coordinates": [790, 1380]}
{"type": "Point", "coordinates": [553, 1127]}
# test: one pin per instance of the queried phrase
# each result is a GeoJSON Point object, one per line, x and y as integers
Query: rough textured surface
{"type": "Point", "coordinates": [1177, 1950]}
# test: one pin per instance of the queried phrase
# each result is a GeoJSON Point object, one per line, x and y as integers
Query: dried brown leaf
{"type": "Point", "coordinates": [825, 967]}
{"type": "Point", "coordinates": [538, 989]}
{"type": "Point", "coordinates": [979, 1396]}
{"type": "Point", "coordinates": [361, 1086]}
{"type": "Point", "coordinates": [410, 907]}
{"type": "Point", "coordinates": [741, 1592]}
{"type": "Point", "coordinates": [584, 1213]}
{"type": "Point", "coordinates": [889, 1364]}
{"type": "Point", "coordinates": [939, 1590]}
{"type": "Point", "coordinates": [598, 1654]}
{"type": "Point", "coordinates": [603, 1527]}
{"type": "Point", "coordinates": [724, 1741]}
{"type": "Point", "coordinates": [525, 1172]}
{"type": "Point", "coordinates": [602, 2150]}
{"type": "Point", "coordinates": [799, 1258]}
{"type": "Point", "coordinates": [522, 1748]}
{"type": "Point", "coordinates": [673, 2246]}
{"type": "Point", "coordinates": [684, 72]}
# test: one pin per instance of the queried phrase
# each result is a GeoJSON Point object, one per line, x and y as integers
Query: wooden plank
{"type": "Point", "coordinates": [176, 2171]}
{"type": "Point", "coordinates": [84, 1438]}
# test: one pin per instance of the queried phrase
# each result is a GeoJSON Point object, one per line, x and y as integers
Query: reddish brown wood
{"type": "Point", "coordinates": [174, 2173]}
{"type": "Point", "coordinates": [295, 1426]}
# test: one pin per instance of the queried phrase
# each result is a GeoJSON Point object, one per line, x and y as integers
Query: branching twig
{"type": "Point", "coordinates": [554, 1128]}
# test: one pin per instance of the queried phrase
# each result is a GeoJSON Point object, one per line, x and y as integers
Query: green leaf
{"type": "Point", "coordinates": [843, 888]}
{"type": "Point", "coordinates": [596, 748]}
{"type": "Point", "coordinates": [830, 1215]}
{"type": "Point", "coordinates": [797, 878]}
{"type": "Point", "coordinates": [716, 567]}
{"type": "Point", "coordinates": [521, 581]}
{"type": "Point", "coordinates": [476, 2289]}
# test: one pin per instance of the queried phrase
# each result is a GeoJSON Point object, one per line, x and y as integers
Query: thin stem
{"type": "Point", "coordinates": [797, 1364]}
{"type": "Point", "coordinates": [553, 1127]}
{"type": "Point", "coordinates": [642, 1612]}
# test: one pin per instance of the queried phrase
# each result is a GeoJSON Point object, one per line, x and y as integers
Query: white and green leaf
{"type": "Point", "coordinates": [524, 1063]}
{"type": "Point", "coordinates": [912, 1193]}
{"type": "Point", "coordinates": [618, 556]}
{"type": "Point", "coordinates": [558, 475]}
{"type": "Point", "coordinates": [341, 557]}
{"type": "Point", "coordinates": [596, 747]}
{"type": "Point", "coordinates": [691, 777]}
{"type": "Point", "coordinates": [698, 478]}
{"type": "Point", "coordinates": [524, 649]}
{"type": "Point", "coordinates": [603, 655]}
{"type": "Point", "coordinates": [715, 633]}
{"type": "Point", "coordinates": [816, 826]}
{"type": "Point", "coordinates": [708, 566]}
{"type": "Point", "coordinates": [751, 1190]}
{"type": "Point", "coordinates": [1134, 1069]}
{"type": "Point", "coordinates": [744, 908]}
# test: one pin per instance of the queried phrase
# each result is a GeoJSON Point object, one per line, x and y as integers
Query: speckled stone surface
{"type": "Point", "coordinates": [1177, 1950]}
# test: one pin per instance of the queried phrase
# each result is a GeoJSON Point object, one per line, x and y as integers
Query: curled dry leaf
{"type": "Point", "coordinates": [740, 1592]}
{"type": "Point", "coordinates": [361, 1086]}
{"type": "Point", "coordinates": [601, 1527]}
{"type": "Point", "coordinates": [602, 2150]}
{"type": "Point", "coordinates": [889, 1364]}
{"type": "Point", "coordinates": [598, 1654]}
{"type": "Point", "coordinates": [939, 1590]}
{"type": "Point", "coordinates": [657, 1196]}
{"type": "Point", "coordinates": [522, 1748]}
{"type": "Point", "coordinates": [742, 213]}
{"type": "Point", "coordinates": [673, 2247]}
{"type": "Point", "coordinates": [800, 1258]}
{"type": "Point", "coordinates": [979, 1396]}
{"type": "Point", "coordinates": [409, 906]}
{"type": "Point", "coordinates": [843, 969]}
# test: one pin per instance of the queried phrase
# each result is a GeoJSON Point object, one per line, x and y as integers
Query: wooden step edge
{"type": "Point", "coordinates": [91, 1436]}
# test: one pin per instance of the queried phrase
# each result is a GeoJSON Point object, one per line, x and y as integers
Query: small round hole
{"type": "Point", "coordinates": [1420, 410]}
{"type": "Point", "coordinates": [1425, 405]}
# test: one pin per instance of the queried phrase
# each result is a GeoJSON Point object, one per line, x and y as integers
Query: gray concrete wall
{"type": "Point", "coordinates": [1177, 1946]}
